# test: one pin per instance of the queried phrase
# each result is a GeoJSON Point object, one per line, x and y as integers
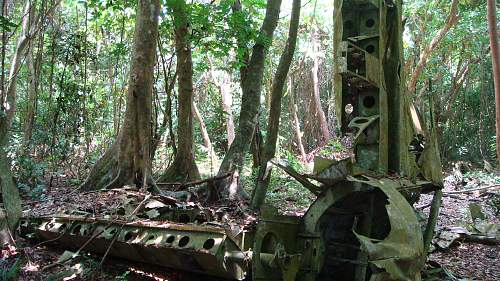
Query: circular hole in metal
{"type": "Point", "coordinates": [63, 227]}
{"type": "Point", "coordinates": [76, 229]}
{"type": "Point", "coordinates": [349, 108]}
{"type": "Point", "coordinates": [368, 101]}
{"type": "Point", "coordinates": [370, 22]}
{"type": "Point", "coordinates": [269, 243]}
{"type": "Point", "coordinates": [370, 49]}
{"type": "Point", "coordinates": [348, 24]}
{"type": "Point", "coordinates": [361, 121]}
{"type": "Point", "coordinates": [209, 244]}
{"type": "Point", "coordinates": [184, 218]}
{"type": "Point", "coordinates": [200, 218]}
{"type": "Point", "coordinates": [184, 241]}
{"type": "Point", "coordinates": [170, 239]}
{"type": "Point", "coordinates": [151, 237]}
{"type": "Point", "coordinates": [129, 236]}
{"type": "Point", "coordinates": [112, 231]}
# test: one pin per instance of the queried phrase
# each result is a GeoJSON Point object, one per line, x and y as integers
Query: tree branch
{"type": "Point", "coordinates": [451, 20]}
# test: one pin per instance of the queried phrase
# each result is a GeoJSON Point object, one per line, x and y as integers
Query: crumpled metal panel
{"type": "Point", "coordinates": [191, 248]}
{"type": "Point", "coordinates": [400, 255]}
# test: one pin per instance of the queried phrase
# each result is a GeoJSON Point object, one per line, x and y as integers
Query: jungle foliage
{"type": "Point", "coordinates": [72, 83]}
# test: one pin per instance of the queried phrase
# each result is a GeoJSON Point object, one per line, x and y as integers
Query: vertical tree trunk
{"type": "Point", "coordinates": [184, 166]}
{"type": "Point", "coordinates": [169, 84]}
{"type": "Point", "coordinates": [128, 161]}
{"type": "Point", "coordinates": [495, 56]}
{"type": "Point", "coordinates": [10, 193]}
{"type": "Point", "coordinates": [316, 98]}
{"type": "Point", "coordinates": [273, 120]}
{"type": "Point", "coordinates": [4, 48]}
{"type": "Point", "coordinates": [483, 112]}
{"type": "Point", "coordinates": [223, 83]}
{"type": "Point", "coordinates": [227, 102]}
{"type": "Point", "coordinates": [204, 133]}
{"type": "Point", "coordinates": [256, 146]}
{"type": "Point", "coordinates": [113, 72]}
{"type": "Point", "coordinates": [250, 101]}
{"type": "Point", "coordinates": [296, 122]}
{"type": "Point", "coordinates": [32, 97]}
{"type": "Point", "coordinates": [34, 69]}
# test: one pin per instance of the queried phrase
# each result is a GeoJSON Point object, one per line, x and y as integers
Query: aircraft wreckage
{"type": "Point", "coordinates": [361, 226]}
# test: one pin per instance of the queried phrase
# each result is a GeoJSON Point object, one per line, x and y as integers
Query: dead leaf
{"type": "Point", "coordinates": [152, 204]}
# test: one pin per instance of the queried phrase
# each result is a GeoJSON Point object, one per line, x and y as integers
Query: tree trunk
{"type": "Point", "coordinates": [32, 98]}
{"type": "Point", "coordinates": [458, 82]}
{"type": "Point", "coordinates": [495, 56]}
{"type": "Point", "coordinates": [169, 79]}
{"type": "Point", "coordinates": [273, 121]}
{"type": "Point", "coordinates": [223, 83]}
{"type": "Point", "coordinates": [257, 146]}
{"type": "Point", "coordinates": [250, 101]}
{"type": "Point", "coordinates": [183, 167]}
{"type": "Point", "coordinates": [316, 98]}
{"type": "Point", "coordinates": [227, 102]}
{"type": "Point", "coordinates": [483, 112]}
{"type": "Point", "coordinates": [4, 48]}
{"type": "Point", "coordinates": [113, 72]}
{"type": "Point", "coordinates": [296, 122]}
{"type": "Point", "coordinates": [451, 20]}
{"type": "Point", "coordinates": [10, 193]}
{"type": "Point", "coordinates": [128, 161]}
{"type": "Point", "coordinates": [33, 79]}
{"type": "Point", "coordinates": [204, 133]}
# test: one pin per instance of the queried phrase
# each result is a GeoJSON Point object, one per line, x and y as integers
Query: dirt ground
{"type": "Point", "coordinates": [462, 260]}
{"type": "Point", "coordinates": [465, 259]}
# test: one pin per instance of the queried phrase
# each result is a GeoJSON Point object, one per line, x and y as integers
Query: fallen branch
{"type": "Point", "coordinates": [423, 206]}
{"type": "Point", "coordinates": [76, 253]}
{"type": "Point", "coordinates": [493, 187]}
{"type": "Point", "coordinates": [115, 237]}
{"type": "Point", "coordinates": [482, 239]}
{"type": "Point", "coordinates": [194, 183]}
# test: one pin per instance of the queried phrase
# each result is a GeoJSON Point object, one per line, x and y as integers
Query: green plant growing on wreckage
{"type": "Point", "coordinates": [292, 160]}
{"type": "Point", "coordinates": [123, 277]}
{"type": "Point", "coordinates": [333, 146]}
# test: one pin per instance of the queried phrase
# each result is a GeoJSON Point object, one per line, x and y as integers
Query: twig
{"type": "Point", "coordinates": [193, 183]}
{"type": "Point", "coordinates": [482, 239]}
{"type": "Point", "coordinates": [97, 234]}
{"type": "Point", "coordinates": [51, 240]}
{"type": "Point", "coordinates": [115, 237]}
{"type": "Point", "coordinates": [77, 252]}
{"type": "Point", "coordinates": [423, 206]}
{"type": "Point", "coordinates": [494, 186]}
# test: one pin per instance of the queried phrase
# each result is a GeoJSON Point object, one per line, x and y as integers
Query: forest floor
{"type": "Point", "coordinates": [456, 258]}
{"type": "Point", "coordinates": [461, 258]}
